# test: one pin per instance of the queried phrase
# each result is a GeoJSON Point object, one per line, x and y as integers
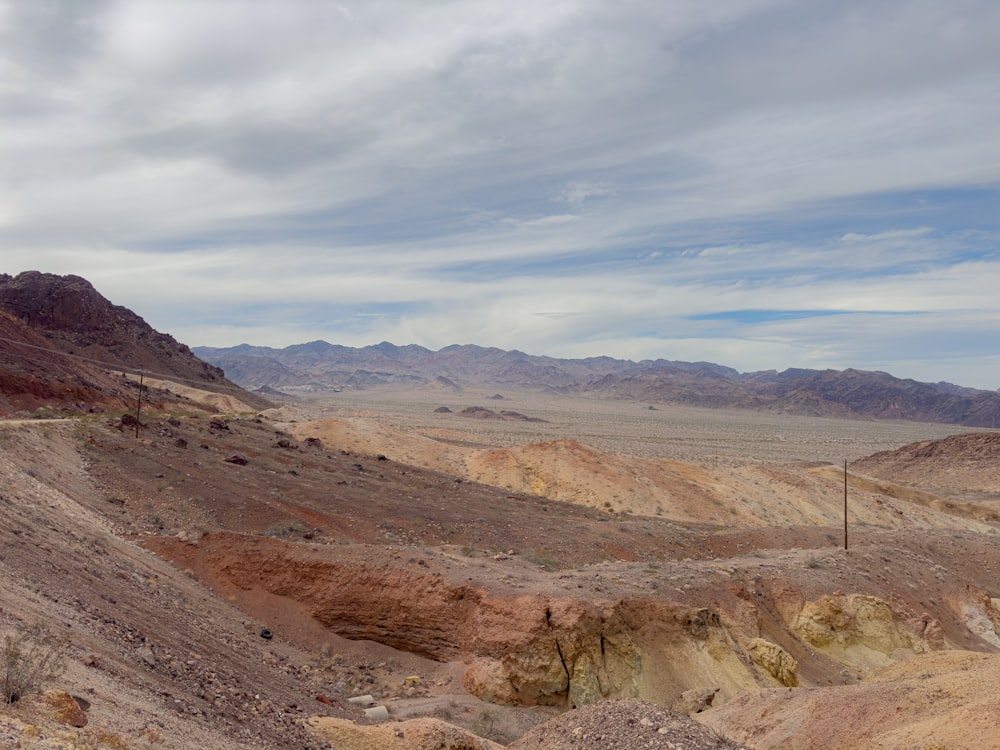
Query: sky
{"type": "Point", "coordinates": [763, 184]}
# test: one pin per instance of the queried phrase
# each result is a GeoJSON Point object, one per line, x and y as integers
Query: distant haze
{"type": "Point", "coordinates": [758, 183]}
{"type": "Point", "coordinates": [319, 366]}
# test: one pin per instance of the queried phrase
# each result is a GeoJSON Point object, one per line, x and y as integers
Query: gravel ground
{"type": "Point", "coordinates": [622, 725]}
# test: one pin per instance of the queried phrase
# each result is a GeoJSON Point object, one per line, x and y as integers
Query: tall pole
{"type": "Point", "coordinates": [845, 503]}
{"type": "Point", "coordinates": [138, 406]}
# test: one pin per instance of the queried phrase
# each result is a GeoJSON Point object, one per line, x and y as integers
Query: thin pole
{"type": "Point", "coordinates": [845, 503]}
{"type": "Point", "coordinates": [138, 406]}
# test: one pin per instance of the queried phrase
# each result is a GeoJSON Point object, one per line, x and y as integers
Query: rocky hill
{"type": "Point", "coordinates": [970, 462]}
{"type": "Point", "coordinates": [33, 373]}
{"type": "Point", "coordinates": [848, 393]}
{"type": "Point", "coordinates": [62, 344]}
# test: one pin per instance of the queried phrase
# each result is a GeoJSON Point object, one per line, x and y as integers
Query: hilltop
{"type": "Point", "coordinates": [65, 346]}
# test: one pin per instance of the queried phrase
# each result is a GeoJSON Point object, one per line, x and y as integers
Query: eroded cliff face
{"type": "Point", "coordinates": [578, 652]}
{"type": "Point", "coordinates": [527, 649]}
{"type": "Point", "coordinates": [570, 641]}
{"type": "Point", "coordinates": [980, 613]}
{"type": "Point", "coordinates": [862, 632]}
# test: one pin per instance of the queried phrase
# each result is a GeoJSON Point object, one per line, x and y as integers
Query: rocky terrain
{"type": "Point", "coordinates": [371, 570]}
{"type": "Point", "coordinates": [962, 466]}
{"type": "Point", "coordinates": [454, 603]}
{"type": "Point", "coordinates": [66, 347]}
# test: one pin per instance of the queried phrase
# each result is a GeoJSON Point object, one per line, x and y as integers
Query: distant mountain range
{"type": "Point", "coordinates": [61, 343]}
{"type": "Point", "coordinates": [319, 365]}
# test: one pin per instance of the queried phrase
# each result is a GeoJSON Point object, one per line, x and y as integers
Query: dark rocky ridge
{"type": "Point", "coordinates": [44, 317]}
{"type": "Point", "coordinates": [838, 393]}
{"type": "Point", "coordinates": [34, 373]}
{"type": "Point", "coordinates": [74, 315]}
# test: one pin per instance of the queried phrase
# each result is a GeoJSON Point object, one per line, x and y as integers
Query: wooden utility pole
{"type": "Point", "coordinates": [845, 503]}
{"type": "Point", "coordinates": [138, 407]}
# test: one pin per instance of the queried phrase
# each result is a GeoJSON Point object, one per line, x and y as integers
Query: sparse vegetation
{"type": "Point", "coordinates": [44, 412]}
{"type": "Point", "coordinates": [286, 528]}
{"type": "Point", "coordinates": [484, 725]}
{"type": "Point", "coordinates": [544, 558]}
{"type": "Point", "coordinates": [445, 712]}
{"type": "Point", "coordinates": [32, 658]}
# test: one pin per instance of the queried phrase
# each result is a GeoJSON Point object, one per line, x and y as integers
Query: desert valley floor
{"type": "Point", "coordinates": [512, 569]}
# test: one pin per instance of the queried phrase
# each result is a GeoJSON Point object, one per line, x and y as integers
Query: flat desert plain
{"type": "Point", "coordinates": [706, 436]}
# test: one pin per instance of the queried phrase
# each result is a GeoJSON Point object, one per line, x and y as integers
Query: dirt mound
{"type": "Point", "coordinates": [572, 471]}
{"type": "Point", "coordinates": [218, 402]}
{"type": "Point", "coordinates": [622, 725]}
{"type": "Point", "coordinates": [481, 412]}
{"type": "Point", "coordinates": [941, 700]}
{"type": "Point", "coordinates": [961, 465]}
{"type": "Point", "coordinates": [416, 734]}
{"type": "Point", "coordinates": [970, 446]}
{"type": "Point", "coordinates": [373, 437]}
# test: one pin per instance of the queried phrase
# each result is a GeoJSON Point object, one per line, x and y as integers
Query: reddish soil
{"type": "Point", "coordinates": [165, 557]}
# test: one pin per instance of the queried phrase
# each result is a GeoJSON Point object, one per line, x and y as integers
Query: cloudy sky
{"type": "Point", "coordinates": [760, 183]}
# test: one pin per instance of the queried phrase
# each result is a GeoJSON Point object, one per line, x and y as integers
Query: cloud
{"type": "Point", "coordinates": [890, 236]}
{"type": "Point", "coordinates": [578, 193]}
{"type": "Point", "coordinates": [565, 177]}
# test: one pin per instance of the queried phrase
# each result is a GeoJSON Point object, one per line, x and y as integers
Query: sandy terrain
{"type": "Point", "coordinates": [201, 399]}
{"type": "Point", "coordinates": [491, 575]}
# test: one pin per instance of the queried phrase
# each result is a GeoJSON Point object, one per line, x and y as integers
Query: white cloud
{"type": "Point", "coordinates": [896, 234]}
{"type": "Point", "coordinates": [559, 177]}
{"type": "Point", "coordinates": [578, 193]}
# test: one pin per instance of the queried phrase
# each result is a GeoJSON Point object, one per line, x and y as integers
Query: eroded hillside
{"type": "Point", "coordinates": [381, 563]}
{"type": "Point", "coordinates": [744, 494]}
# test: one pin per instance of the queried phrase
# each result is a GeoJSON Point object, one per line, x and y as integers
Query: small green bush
{"type": "Point", "coordinates": [31, 658]}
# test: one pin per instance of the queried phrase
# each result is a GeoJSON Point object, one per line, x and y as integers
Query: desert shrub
{"type": "Point", "coordinates": [286, 528]}
{"type": "Point", "coordinates": [31, 658]}
{"type": "Point", "coordinates": [445, 713]}
{"type": "Point", "coordinates": [484, 724]}
{"type": "Point", "coordinates": [544, 558]}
